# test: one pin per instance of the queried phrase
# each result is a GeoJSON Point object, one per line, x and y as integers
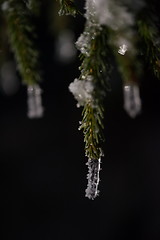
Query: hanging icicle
{"type": "Point", "coordinates": [93, 178]}
{"type": "Point", "coordinates": [35, 109]}
{"type": "Point", "coordinates": [132, 100]}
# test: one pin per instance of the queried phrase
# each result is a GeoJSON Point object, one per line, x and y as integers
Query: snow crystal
{"type": "Point", "coordinates": [122, 49]}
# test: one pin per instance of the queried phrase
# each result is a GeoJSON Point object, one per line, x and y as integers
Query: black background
{"type": "Point", "coordinates": [43, 165]}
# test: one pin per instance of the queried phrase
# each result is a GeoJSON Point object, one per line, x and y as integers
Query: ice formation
{"type": "Point", "coordinates": [93, 178]}
{"type": "Point", "coordinates": [35, 109]}
{"type": "Point", "coordinates": [132, 100]}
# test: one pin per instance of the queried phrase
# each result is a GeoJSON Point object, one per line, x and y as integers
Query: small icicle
{"type": "Point", "coordinates": [93, 178]}
{"type": "Point", "coordinates": [35, 109]}
{"type": "Point", "coordinates": [132, 100]}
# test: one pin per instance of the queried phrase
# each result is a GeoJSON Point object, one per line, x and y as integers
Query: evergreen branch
{"type": "Point", "coordinates": [67, 7]}
{"type": "Point", "coordinates": [92, 126]}
{"type": "Point", "coordinates": [95, 67]}
{"type": "Point", "coordinates": [149, 35]}
{"type": "Point", "coordinates": [21, 34]}
{"type": "Point", "coordinates": [90, 91]}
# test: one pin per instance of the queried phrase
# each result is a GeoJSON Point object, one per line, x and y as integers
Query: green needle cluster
{"type": "Point", "coordinates": [67, 7]}
{"type": "Point", "coordinates": [21, 33]}
{"type": "Point", "coordinates": [94, 64]}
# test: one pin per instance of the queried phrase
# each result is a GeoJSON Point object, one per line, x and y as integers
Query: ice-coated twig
{"type": "Point", "coordinates": [93, 178]}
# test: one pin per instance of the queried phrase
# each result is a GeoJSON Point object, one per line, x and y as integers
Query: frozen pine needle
{"type": "Point", "coordinates": [93, 178]}
{"type": "Point", "coordinates": [35, 109]}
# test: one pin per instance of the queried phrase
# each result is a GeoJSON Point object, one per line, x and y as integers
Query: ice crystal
{"type": "Point", "coordinates": [93, 178]}
{"type": "Point", "coordinates": [122, 49]}
{"type": "Point", "coordinates": [35, 109]}
{"type": "Point", "coordinates": [132, 100]}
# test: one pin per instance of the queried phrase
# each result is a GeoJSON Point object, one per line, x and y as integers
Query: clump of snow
{"type": "Point", "coordinates": [113, 14]}
{"type": "Point", "coordinates": [83, 43]}
{"type": "Point", "coordinates": [82, 90]}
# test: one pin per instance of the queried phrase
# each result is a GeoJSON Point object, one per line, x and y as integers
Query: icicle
{"type": "Point", "coordinates": [93, 178]}
{"type": "Point", "coordinates": [35, 109]}
{"type": "Point", "coordinates": [132, 101]}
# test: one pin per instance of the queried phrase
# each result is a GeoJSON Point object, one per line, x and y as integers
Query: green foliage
{"type": "Point", "coordinates": [95, 65]}
{"type": "Point", "coordinates": [21, 36]}
{"type": "Point", "coordinates": [67, 7]}
{"type": "Point", "coordinates": [92, 125]}
{"type": "Point", "coordinates": [149, 35]}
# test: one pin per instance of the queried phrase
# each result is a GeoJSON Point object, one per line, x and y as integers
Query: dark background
{"type": "Point", "coordinates": [43, 165]}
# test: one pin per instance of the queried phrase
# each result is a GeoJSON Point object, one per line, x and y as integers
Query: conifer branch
{"type": "Point", "coordinates": [92, 125]}
{"type": "Point", "coordinates": [21, 36]}
{"type": "Point", "coordinates": [94, 74]}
